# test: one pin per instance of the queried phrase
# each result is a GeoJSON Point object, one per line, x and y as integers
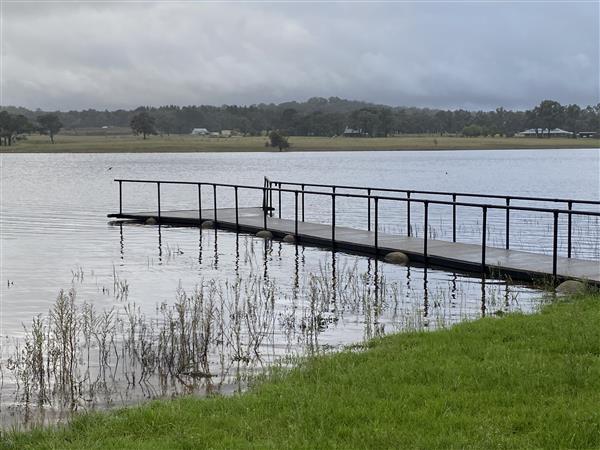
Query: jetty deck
{"type": "Point", "coordinates": [452, 255]}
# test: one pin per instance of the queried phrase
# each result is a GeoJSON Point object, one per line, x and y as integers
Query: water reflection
{"type": "Point", "coordinates": [121, 241]}
{"type": "Point", "coordinates": [158, 228]}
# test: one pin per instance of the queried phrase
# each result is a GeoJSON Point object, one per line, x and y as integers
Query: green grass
{"type": "Point", "coordinates": [512, 382]}
{"type": "Point", "coordinates": [186, 143]}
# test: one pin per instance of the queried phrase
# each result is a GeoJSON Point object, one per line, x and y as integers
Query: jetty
{"type": "Point", "coordinates": [450, 254]}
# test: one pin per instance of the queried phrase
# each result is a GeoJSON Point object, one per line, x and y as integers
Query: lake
{"type": "Point", "coordinates": [55, 236]}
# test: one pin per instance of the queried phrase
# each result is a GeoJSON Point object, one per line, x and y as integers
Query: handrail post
{"type": "Point", "coordinates": [333, 219]}
{"type": "Point", "coordinates": [376, 199]}
{"type": "Point", "coordinates": [215, 203]}
{"type": "Point", "coordinates": [507, 223]}
{"type": "Point", "coordinates": [555, 247]}
{"type": "Point", "coordinates": [569, 229]}
{"type": "Point", "coordinates": [265, 209]}
{"type": "Point", "coordinates": [483, 238]}
{"type": "Point", "coordinates": [369, 210]}
{"type": "Point", "coordinates": [279, 200]}
{"type": "Point", "coordinates": [200, 203]}
{"type": "Point", "coordinates": [120, 197]}
{"type": "Point", "coordinates": [158, 195]}
{"type": "Point", "coordinates": [296, 215]}
{"type": "Point", "coordinates": [302, 203]}
{"type": "Point", "coordinates": [454, 218]}
{"type": "Point", "coordinates": [425, 227]}
{"type": "Point", "coordinates": [271, 198]}
{"type": "Point", "coordinates": [408, 233]}
{"type": "Point", "coordinates": [237, 221]}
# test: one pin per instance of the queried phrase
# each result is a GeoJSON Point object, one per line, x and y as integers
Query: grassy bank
{"type": "Point", "coordinates": [514, 382]}
{"type": "Point", "coordinates": [181, 143]}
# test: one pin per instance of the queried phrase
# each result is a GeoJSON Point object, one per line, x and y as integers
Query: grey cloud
{"type": "Point", "coordinates": [476, 55]}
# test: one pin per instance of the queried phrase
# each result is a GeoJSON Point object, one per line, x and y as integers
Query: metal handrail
{"type": "Point", "coordinates": [367, 196]}
{"type": "Point", "coordinates": [449, 193]}
{"type": "Point", "coordinates": [268, 189]}
{"type": "Point", "coordinates": [454, 195]}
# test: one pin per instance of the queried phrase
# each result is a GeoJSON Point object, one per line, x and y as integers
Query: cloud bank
{"type": "Point", "coordinates": [448, 55]}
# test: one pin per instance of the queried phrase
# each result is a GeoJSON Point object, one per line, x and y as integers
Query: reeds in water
{"type": "Point", "coordinates": [77, 356]}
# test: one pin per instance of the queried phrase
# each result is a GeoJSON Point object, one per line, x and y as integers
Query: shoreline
{"type": "Point", "coordinates": [493, 382]}
{"type": "Point", "coordinates": [299, 144]}
{"type": "Point", "coordinates": [341, 150]}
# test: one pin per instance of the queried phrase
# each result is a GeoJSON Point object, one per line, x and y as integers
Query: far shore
{"type": "Point", "coordinates": [69, 143]}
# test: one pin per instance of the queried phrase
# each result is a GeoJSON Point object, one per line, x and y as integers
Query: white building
{"type": "Point", "coordinates": [349, 132]}
{"type": "Point", "coordinates": [199, 132]}
{"type": "Point", "coordinates": [555, 132]}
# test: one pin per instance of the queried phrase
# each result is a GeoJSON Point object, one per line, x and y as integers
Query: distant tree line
{"type": "Point", "coordinates": [321, 117]}
{"type": "Point", "coordinates": [14, 126]}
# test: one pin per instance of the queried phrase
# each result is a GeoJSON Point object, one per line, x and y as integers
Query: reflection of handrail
{"type": "Point", "coordinates": [268, 188]}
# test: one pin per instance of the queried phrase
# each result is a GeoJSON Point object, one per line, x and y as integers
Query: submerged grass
{"type": "Point", "coordinates": [522, 381]}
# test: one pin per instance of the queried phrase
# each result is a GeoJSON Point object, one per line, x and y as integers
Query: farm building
{"type": "Point", "coordinates": [199, 132]}
{"type": "Point", "coordinates": [350, 132]}
{"type": "Point", "coordinates": [555, 132]}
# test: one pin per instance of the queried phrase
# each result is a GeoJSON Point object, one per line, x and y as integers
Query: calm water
{"type": "Point", "coordinates": [55, 235]}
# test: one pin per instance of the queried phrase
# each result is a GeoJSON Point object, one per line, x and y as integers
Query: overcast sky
{"type": "Point", "coordinates": [440, 54]}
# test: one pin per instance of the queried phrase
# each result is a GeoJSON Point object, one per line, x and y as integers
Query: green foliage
{"type": "Point", "coordinates": [329, 117]}
{"type": "Point", "coordinates": [165, 122]}
{"type": "Point", "coordinates": [277, 139]}
{"type": "Point", "coordinates": [549, 114]}
{"type": "Point", "coordinates": [12, 126]}
{"type": "Point", "coordinates": [49, 124]}
{"type": "Point", "coordinates": [472, 131]}
{"type": "Point", "coordinates": [143, 123]}
{"type": "Point", "coordinates": [515, 382]}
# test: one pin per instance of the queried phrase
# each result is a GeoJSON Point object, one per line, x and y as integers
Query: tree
{"type": "Point", "coordinates": [591, 118]}
{"type": "Point", "coordinates": [472, 131]}
{"type": "Point", "coordinates": [288, 119]}
{"type": "Point", "coordinates": [165, 122]}
{"type": "Point", "coordinates": [550, 114]}
{"type": "Point", "coordinates": [5, 119]}
{"type": "Point", "coordinates": [11, 126]}
{"type": "Point", "coordinates": [277, 139]}
{"type": "Point", "coordinates": [444, 121]}
{"type": "Point", "coordinates": [386, 121]}
{"type": "Point", "coordinates": [572, 119]}
{"type": "Point", "coordinates": [50, 124]}
{"type": "Point", "coordinates": [143, 123]}
{"type": "Point", "coordinates": [365, 119]}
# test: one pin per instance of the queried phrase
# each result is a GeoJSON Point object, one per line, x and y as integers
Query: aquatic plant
{"type": "Point", "coordinates": [220, 332]}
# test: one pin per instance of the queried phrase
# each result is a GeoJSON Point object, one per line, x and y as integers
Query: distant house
{"type": "Point", "coordinates": [587, 134]}
{"type": "Point", "coordinates": [555, 132]}
{"type": "Point", "coordinates": [225, 133]}
{"type": "Point", "coordinates": [350, 132]}
{"type": "Point", "coordinates": [199, 132]}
